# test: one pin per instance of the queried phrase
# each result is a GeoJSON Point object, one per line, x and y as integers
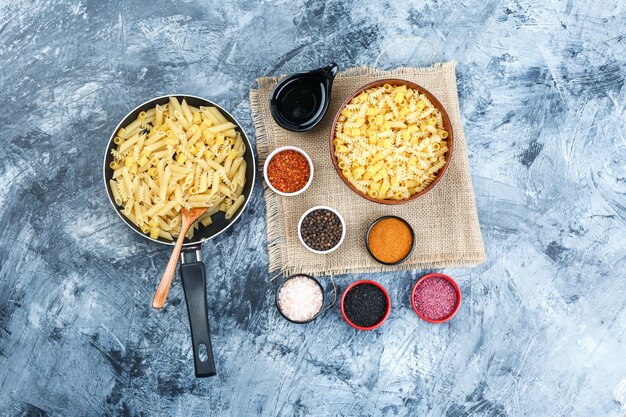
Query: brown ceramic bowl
{"type": "Point", "coordinates": [446, 123]}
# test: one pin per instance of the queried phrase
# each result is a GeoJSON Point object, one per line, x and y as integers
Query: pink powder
{"type": "Point", "coordinates": [435, 298]}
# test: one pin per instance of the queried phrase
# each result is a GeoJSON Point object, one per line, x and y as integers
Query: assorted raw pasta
{"type": "Point", "coordinates": [390, 142]}
{"type": "Point", "coordinates": [176, 155]}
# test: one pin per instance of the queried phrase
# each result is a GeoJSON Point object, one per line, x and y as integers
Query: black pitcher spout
{"type": "Point", "coordinates": [331, 70]}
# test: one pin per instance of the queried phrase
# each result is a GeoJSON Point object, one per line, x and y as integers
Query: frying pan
{"type": "Point", "coordinates": [192, 270]}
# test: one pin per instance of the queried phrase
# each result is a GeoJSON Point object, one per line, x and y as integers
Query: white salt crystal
{"type": "Point", "coordinates": [300, 298]}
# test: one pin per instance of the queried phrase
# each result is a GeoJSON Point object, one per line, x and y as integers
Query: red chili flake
{"type": "Point", "coordinates": [435, 298]}
{"type": "Point", "coordinates": [288, 171]}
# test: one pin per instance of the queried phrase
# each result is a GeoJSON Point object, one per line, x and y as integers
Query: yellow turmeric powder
{"type": "Point", "coordinates": [390, 240]}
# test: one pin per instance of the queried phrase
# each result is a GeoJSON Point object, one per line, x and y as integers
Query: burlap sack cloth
{"type": "Point", "coordinates": [446, 227]}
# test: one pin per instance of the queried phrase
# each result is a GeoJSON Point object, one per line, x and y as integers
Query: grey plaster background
{"type": "Point", "coordinates": [541, 331]}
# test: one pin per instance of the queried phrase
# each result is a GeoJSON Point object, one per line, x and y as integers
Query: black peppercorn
{"type": "Point", "coordinates": [321, 230]}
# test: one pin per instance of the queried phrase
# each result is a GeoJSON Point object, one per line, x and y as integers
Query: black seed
{"type": "Point", "coordinates": [365, 305]}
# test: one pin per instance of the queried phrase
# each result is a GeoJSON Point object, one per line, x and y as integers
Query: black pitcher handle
{"type": "Point", "coordinates": [193, 277]}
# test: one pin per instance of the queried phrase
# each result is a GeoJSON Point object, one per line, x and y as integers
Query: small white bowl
{"type": "Point", "coordinates": [343, 229]}
{"type": "Point", "coordinates": [267, 162]}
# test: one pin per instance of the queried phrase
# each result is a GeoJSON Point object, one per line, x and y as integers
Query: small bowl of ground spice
{"type": "Point", "coordinates": [288, 171]}
{"type": "Point", "coordinates": [436, 298]}
{"type": "Point", "coordinates": [390, 240]}
{"type": "Point", "coordinates": [321, 229]}
{"type": "Point", "coordinates": [300, 298]}
{"type": "Point", "coordinates": [365, 305]}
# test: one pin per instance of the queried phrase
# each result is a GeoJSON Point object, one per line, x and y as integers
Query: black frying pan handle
{"type": "Point", "coordinates": [193, 277]}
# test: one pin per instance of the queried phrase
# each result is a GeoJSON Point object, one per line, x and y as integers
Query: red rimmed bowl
{"type": "Point", "coordinates": [354, 284]}
{"type": "Point", "coordinates": [457, 290]}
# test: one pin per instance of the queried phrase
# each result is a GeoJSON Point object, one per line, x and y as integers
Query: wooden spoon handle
{"type": "Point", "coordinates": [166, 280]}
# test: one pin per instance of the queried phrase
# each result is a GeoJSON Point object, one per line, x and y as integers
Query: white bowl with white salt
{"type": "Point", "coordinates": [300, 298]}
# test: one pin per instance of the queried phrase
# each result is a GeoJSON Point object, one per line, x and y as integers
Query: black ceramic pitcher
{"type": "Point", "coordinates": [300, 101]}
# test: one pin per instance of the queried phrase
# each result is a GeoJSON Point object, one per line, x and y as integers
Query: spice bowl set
{"type": "Point", "coordinates": [288, 171]}
{"type": "Point", "coordinates": [298, 104]}
{"type": "Point", "coordinates": [366, 304]}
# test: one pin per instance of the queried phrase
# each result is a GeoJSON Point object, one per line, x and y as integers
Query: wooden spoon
{"type": "Point", "coordinates": [189, 217]}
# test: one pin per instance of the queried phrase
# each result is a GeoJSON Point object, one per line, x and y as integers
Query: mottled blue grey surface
{"type": "Point", "coordinates": [541, 331]}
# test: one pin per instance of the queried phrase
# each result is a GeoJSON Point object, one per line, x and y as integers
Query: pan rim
{"type": "Point", "coordinates": [126, 221]}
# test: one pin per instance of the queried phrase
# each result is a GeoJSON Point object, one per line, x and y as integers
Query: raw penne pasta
{"type": "Point", "coordinates": [187, 112]}
{"type": "Point", "coordinates": [235, 166]}
{"type": "Point", "coordinates": [221, 127]}
{"type": "Point", "coordinates": [234, 207]}
{"type": "Point", "coordinates": [218, 116]}
{"type": "Point", "coordinates": [173, 156]}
